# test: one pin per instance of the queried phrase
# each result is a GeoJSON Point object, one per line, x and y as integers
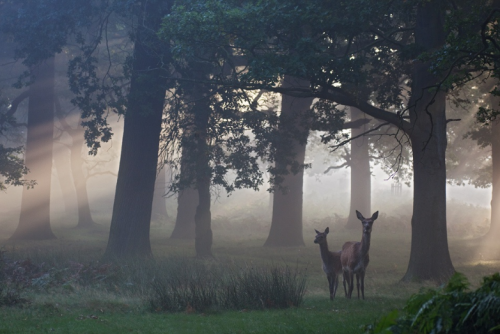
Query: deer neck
{"type": "Point", "coordinates": [365, 243]}
{"type": "Point", "coordinates": [325, 253]}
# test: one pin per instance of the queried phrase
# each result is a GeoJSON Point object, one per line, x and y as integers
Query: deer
{"type": "Point", "coordinates": [354, 256]}
{"type": "Point", "coordinates": [331, 262]}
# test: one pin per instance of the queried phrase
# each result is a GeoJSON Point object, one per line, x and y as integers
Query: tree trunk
{"type": "Point", "coordinates": [494, 232]}
{"type": "Point", "coordinates": [130, 223]}
{"type": "Point", "coordinates": [82, 198]}
{"type": "Point", "coordinates": [286, 225]}
{"type": "Point", "coordinates": [79, 180]}
{"type": "Point", "coordinates": [62, 166]}
{"type": "Point", "coordinates": [34, 221]}
{"type": "Point", "coordinates": [360, 173]}
{"type": "Point", "coordinates": [187, 202]}
{"type": "Point", "coordinates": [159, 211]}
{"type": "Point", "coordinates": [430, 257]}
{"type": "Point", "coordinates": [203, 216]}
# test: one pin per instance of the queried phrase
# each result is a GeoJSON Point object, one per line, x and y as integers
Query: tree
{"type": "Point", "coordinates": [79, 180]}
{"type": "Point", "coordinates": [34, 222]}
{"type": "Point", "coordinates": [286, 225]}
{"type": "Point", "coordinates": [359, 162]}
{"type": "Point", "coordinates": [39, 31]}
{"type": "Point", "coordinates": [341, 56]}
{"type": "Point", "coordinates": [130, 223]}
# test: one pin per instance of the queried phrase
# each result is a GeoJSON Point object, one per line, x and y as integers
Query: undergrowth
{"type": "Point", "coordinates": [198, 287]}
{"type": "Point", "coordinates": [449, 309]}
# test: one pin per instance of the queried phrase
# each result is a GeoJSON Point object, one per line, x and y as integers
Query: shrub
{"type": "Point", "coordinates": [10, 292]}
{"type": "Point", "coordinates": [449, 309]}
{"type": "Point", "coordinates": [198, 287]}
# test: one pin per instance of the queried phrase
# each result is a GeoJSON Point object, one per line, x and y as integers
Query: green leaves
{"type": "Point", "coordinates": [449, 309]}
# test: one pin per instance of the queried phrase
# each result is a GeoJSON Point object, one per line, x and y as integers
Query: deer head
{"type": "Point", "coordinates": [367, 222]}
{"type": "Point", "coordinates": [321, 236]}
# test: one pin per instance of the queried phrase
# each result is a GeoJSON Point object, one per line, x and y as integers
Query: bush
{"type": "Point", "coordinates": [198, 287]}
{"type": "Point", "coordinates": [10, 292]}
{"type": "Point", "coordinates": [450, 309]}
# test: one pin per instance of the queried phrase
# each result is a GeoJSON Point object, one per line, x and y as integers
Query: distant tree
{"type": "Point", "coordinates": [79, 179]}
{"type": "Point", "coordinates": [34, 222]}
{"type": "Point", "coordinates": [39, 31]}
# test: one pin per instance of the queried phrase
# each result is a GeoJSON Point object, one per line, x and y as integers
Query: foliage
{"type": "Point", "coordinates": [198, 287]}
{"type": "Point", "coordinates": [12, 167]}
{"type": "Point", "coordinates": [449, 309]}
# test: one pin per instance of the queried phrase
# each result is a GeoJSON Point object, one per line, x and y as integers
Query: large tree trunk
{"type": "Point", "coordinates": [286, 225]}
{"type": "Point", "coordinates": [430, 257]}
{"type": "Point", "coordinates": [494, 232]}
{"type": "Point", "coordinates": [159, 211]}
{"type": "Point", "coordinates": [360, 173]}
{"type": "Point", "coordinates": [130, 223]}
{"type": "Point", "coordinates": [34, 221]}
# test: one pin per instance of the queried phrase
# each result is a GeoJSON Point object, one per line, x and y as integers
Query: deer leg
{"type": "Point", "coordinates": [363, 284]}
{"type": "Point", "coordinates": [336, 284]}
{"type": "Point", "coordinates": [351, 283]}
{"type": "Point", "coordinates": [330, 285]}
{"type": "Point", "coordinates": [357, 283]}
{"type": "Point", "coordinates": [344, 282]}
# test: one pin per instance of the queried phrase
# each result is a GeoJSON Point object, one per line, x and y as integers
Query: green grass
{"type": "Point", "coordinates": [115, 308]}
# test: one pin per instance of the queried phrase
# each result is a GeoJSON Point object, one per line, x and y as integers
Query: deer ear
{"type": "Point", "coordinates": [327, 230]}
{"type": "Point", "coordinates": [317, 232]}
{"type": "Point", "coordinates": [359, 215]}
{"type": "Point", "coordinates": [375, 215]}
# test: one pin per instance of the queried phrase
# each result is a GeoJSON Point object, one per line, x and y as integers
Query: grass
{"type": "Point", "coordinates": [120, 305]}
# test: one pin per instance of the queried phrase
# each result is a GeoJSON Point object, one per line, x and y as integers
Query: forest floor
{"type": "Point", "coordinates": [75, 293]}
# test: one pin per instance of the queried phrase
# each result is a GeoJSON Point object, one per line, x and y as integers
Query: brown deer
{"type": "Point", "coordinates": [355, 258]}
{"type": "Point", "coordinates": [331, 262]}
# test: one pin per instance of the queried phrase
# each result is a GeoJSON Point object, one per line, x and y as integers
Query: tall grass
{"type": "Point", "coordinates": [198, 287]}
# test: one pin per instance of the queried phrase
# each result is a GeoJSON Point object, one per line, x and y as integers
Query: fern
{"type": "Point", "coordinates": [450, 309]}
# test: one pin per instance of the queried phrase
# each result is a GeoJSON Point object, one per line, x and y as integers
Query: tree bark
{"type": "Point", "coordinates": [130, 223]}
{"type": "Point", "coordinates": [360, 173]}
{"type": "Point", "coordinates": [286, 224]}
{"type": "Point", "coordinates": [34, 221]}
{"type": "Point", "coordinates": [429, 257]}
{"type": "Point", "coordinates": [159, 211]}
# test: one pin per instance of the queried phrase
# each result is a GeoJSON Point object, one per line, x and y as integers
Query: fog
{"type": "Point", "coordinates": [326, 196]}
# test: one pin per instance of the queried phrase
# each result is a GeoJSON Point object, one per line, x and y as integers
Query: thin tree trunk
{"type": "Point", "coordinates": [130, 223]}
{"type": "Point", "coordinates": [85, 219]}
{"type": "Point", "coordinates": [34, 221]}
{"type": "Point", "coordinates": [429, 257]}
{"type": "Point", "coordinates": [286, 225]}
{"type": "Point", "coordinates": [360, 173]}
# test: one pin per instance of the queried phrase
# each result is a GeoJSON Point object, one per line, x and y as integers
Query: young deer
{"type": "Point", "coordinates": [355, 258]}
{"type": "Point", "coordinates": [331, 262]}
